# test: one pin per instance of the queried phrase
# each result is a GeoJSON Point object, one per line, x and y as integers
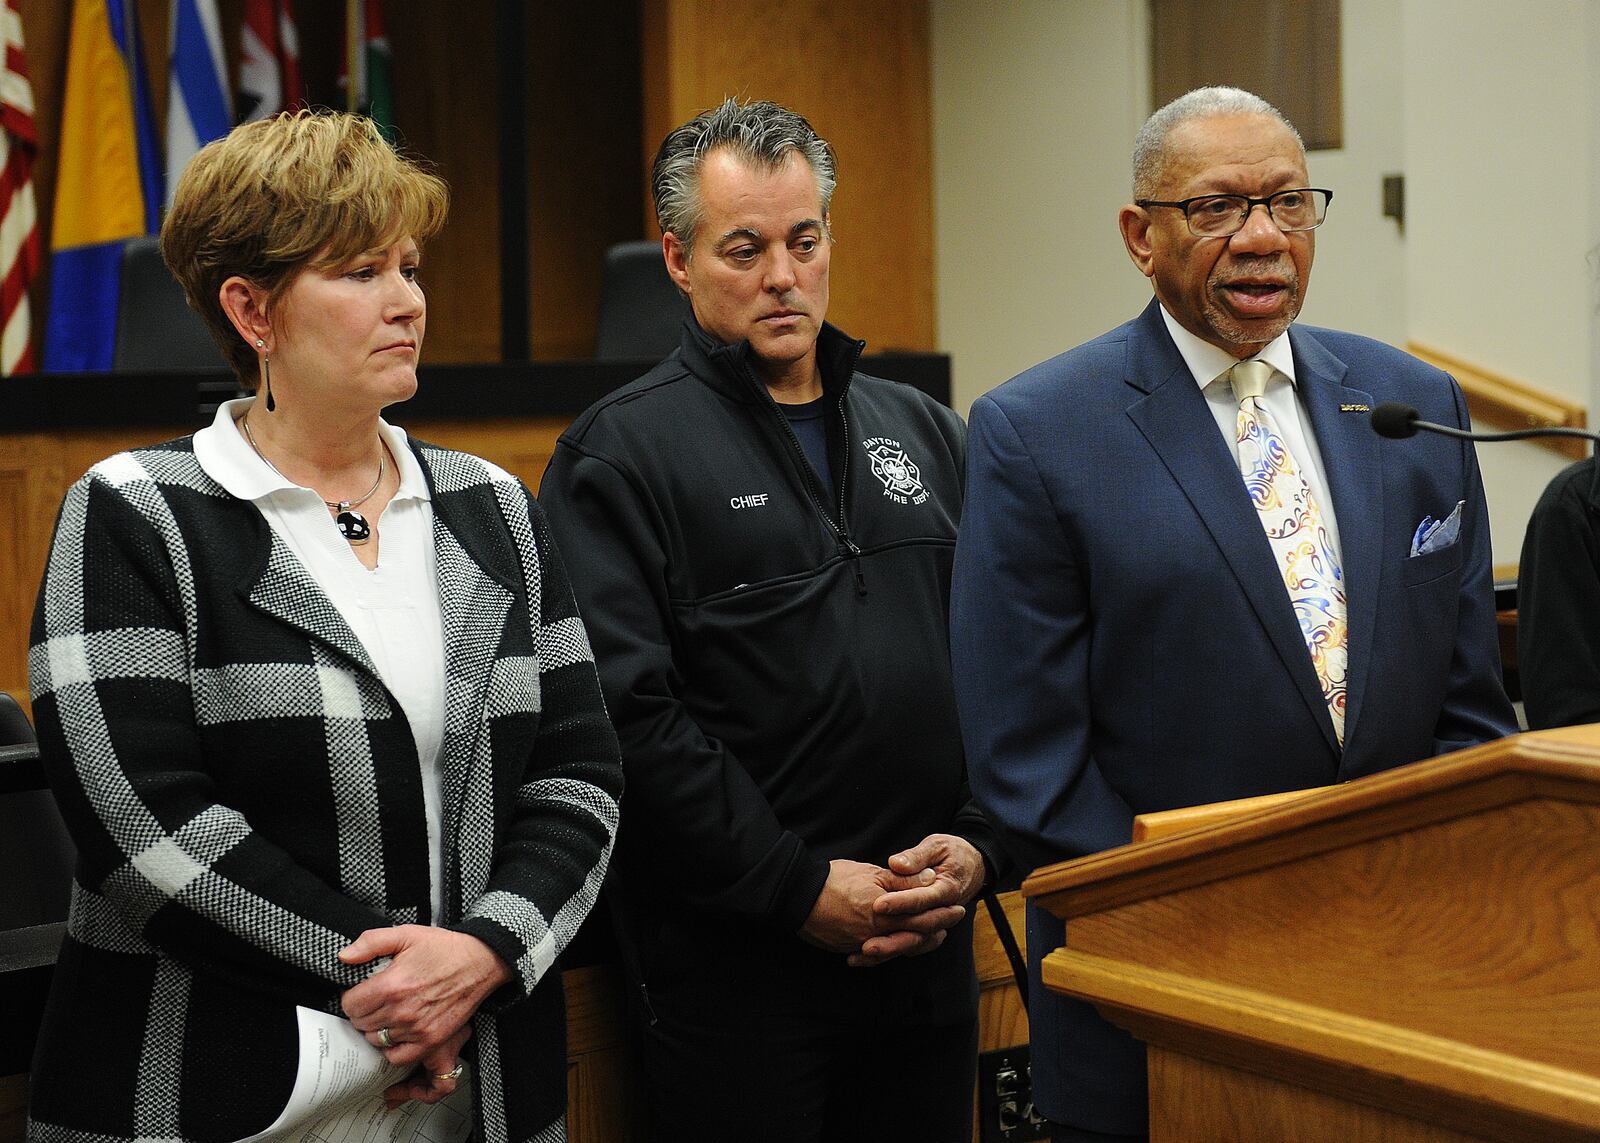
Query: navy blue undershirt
{"type": "Point", "coordinates": [810, 424]}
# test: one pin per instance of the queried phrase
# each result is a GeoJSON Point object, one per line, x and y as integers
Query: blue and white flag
{"type": "Point", "coordinates": [198, 108]}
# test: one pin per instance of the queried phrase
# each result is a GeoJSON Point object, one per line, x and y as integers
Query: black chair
{"type": "Point", "coordinates": [35, 850]}
{"type": "Point", "coordinates": [641, 309]}
{"type": "Point", "coordinates": [156, 329]}
{"type": "Point", "coordinates": [15, 729]}
{"type": "Point", "coordinates": [38, 857]}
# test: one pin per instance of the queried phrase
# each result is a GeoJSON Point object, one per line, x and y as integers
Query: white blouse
{"type": "Point", "coordinates": [393, 608]}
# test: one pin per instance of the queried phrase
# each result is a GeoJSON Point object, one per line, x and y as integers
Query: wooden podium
{"type": "Point", "coordinates": [1411, 956]}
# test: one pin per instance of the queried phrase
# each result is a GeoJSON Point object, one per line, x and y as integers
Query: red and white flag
{"type": "Point", "coordinates": [19, 218]}
{"type": "Point", "coordinates": [269, 60]}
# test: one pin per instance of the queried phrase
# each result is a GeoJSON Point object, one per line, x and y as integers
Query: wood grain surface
{"type": "Point", "coordinates": [1425, 941]}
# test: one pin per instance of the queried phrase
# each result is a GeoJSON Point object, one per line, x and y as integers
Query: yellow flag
{"type": "Point", "coordinates": [98, 196]}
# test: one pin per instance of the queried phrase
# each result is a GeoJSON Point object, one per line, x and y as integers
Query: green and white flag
{"type": "Point", "coordinates": [368, 64]}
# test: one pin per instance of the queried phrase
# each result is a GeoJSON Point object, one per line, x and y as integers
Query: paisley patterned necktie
{"type": "Point", "coordinates": [1299, 538]}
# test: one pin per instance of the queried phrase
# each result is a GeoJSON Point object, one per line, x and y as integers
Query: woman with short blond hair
{"type": "Point", "coordinates": [315, 701]}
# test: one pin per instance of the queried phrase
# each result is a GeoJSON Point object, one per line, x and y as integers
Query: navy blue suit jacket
{"type": "Point", "coordinates": [1123, 642]}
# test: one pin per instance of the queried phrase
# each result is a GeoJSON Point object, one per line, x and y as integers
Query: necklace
{"type": "Point", "coordinates": [353, 525]}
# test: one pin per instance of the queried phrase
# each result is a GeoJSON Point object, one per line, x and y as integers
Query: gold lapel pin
{"type": "Point", "coordinates": [1355, 408]}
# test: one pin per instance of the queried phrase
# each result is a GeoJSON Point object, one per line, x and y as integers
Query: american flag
{"type": "Point", "coordinates": [19, 220]}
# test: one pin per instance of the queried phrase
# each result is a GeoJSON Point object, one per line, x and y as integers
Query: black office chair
{"type": "Point", "coordinates": [641, 310]}
{"type": "Point", "coordinates": [15, 729]}
{"type": "Point", "coordinates": [38, 857]}
{"type": "Point", "coordinates": [156, 329]}
{"type": "Point", "coordinates": [35, 850]}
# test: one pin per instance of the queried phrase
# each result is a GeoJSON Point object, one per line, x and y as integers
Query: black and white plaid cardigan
{"type": "Point", "coordinates": [246, 798]}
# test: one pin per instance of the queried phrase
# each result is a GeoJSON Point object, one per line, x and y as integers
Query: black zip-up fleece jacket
{"type": "Point", "coordinates": [776, 662]}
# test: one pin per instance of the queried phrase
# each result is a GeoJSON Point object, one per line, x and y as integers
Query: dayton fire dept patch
{"type": "Point", "coordinates": [897, 472]}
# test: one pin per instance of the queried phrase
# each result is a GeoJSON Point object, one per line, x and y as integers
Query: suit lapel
{"type": "Point", "coordinates": [474, 601]}
{"type": "Point", "coordinates": [475, 605]}
{"type": "Point", "coordinates": [1353, 464]}
{"type": "Point", "coordinates": [475, 597]}
{"type": "Point", "coordinates": [285, 589]}
{"type": "Point", "coordinates": [1176, 420]}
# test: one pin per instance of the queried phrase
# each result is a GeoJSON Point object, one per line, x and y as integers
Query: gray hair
{"type": "Point", "coordinates": [1150, 146]}
{"type": "Point", "coordinates": [761, 133]}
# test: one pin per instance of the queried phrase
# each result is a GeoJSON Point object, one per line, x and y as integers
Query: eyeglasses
{"type": "Point", "coordinates": [1224, 215]}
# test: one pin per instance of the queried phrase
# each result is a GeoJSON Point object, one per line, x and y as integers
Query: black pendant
{"type": "Point", "coordinates": [353, 526]}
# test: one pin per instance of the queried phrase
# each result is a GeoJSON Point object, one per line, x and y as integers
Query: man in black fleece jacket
{"type": "Point", "coordinates": [761, 541]}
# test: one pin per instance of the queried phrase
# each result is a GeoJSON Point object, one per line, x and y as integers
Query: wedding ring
{"type": "Point", "coordinates": [454, 1073]}
{"type": "Point", "coordinates": [385, 1041]}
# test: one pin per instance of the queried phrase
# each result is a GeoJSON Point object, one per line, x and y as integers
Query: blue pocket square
{"type": "Point", "coordinates": [1436, 535]}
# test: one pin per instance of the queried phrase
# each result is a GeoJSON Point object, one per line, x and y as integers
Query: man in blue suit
{"type": "Point", "coordinates": [1177, 582]}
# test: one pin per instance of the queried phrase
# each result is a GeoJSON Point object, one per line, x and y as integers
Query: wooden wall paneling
{"type": "Point", "coordinates": [1002, 1020]}
{"type": "Point", "coordinates": [82, 449]}
{"type": "Point", "coordinates": [602, 1096]}
{"type": "Point", "coordinates": [584, 169]}
{"type": "Point", "coordinates": [447, 110]}
{"type": "Point", "coordinates": [666, 68]}
{"type": "Point", "coordinates": [521, 447]}
{"type": "Point", "coordinates": [31, 485]}
{"type": "Point", "coordinates": [859, 72]}
{"type": "Point", "coordinates": [582, 107]}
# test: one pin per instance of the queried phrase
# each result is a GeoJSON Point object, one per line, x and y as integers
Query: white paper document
{"type": "Point", "coordinates": [338, 1094]}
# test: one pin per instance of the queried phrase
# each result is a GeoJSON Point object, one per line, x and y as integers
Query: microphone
{"type": "Point", "coordinates": [1398, 421]}
{"type": "Point", "coordinates": [1395, 421]}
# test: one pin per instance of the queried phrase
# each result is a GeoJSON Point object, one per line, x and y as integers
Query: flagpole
{"type": "Point", "coordinates": [133, 78]}
{"type": "Point", "coordinates": [354, 48]}
{"type": "Point", "coordinates": [135, 56]}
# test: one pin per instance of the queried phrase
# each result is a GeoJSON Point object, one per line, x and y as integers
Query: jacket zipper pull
{"type": "Point", "coordinates": [852, 553]}
{"type": "Point", "coordinates": [649, 1010]}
